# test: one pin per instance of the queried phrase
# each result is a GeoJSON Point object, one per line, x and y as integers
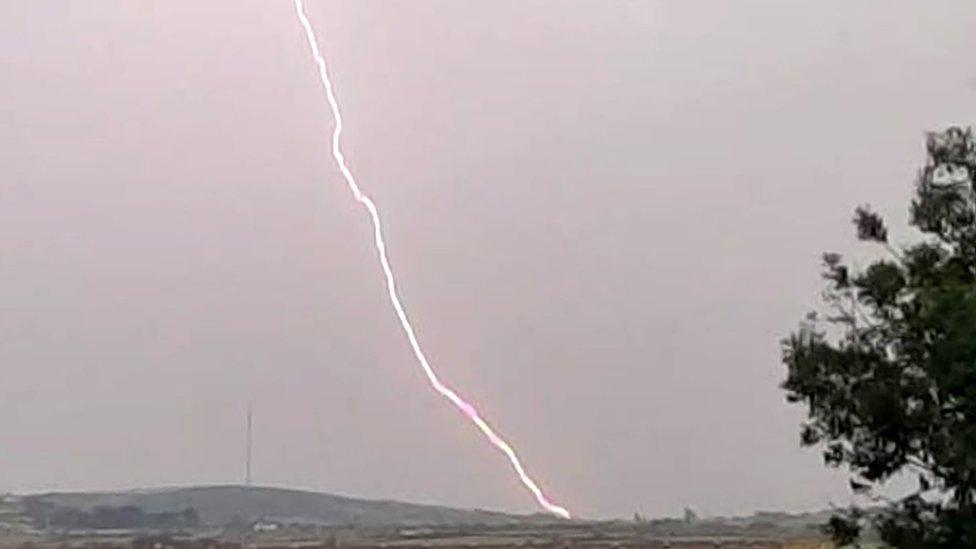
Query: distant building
{"type": "Point", "coordinates": [265, 526]}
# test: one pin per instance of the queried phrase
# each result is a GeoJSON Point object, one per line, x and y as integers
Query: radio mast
{"type": "Point", "coordinates": [247, 457]}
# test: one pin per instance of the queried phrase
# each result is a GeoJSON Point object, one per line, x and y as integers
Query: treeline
{"type": "Point", "coordinates": [127, 517]}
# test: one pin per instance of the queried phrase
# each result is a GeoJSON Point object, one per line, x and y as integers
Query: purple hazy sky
{"type": "Point", "coordinates": [603, 216]}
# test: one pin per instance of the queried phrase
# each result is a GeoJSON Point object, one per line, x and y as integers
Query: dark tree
{"type": "Point", "coordinates": [888, 374]}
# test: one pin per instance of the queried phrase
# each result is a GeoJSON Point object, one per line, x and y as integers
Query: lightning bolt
{"type": "Point", "coordinates": [467, 409]}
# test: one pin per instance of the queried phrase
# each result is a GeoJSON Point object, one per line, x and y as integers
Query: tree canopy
{"type": "Point", "coordinates": [887, 372]}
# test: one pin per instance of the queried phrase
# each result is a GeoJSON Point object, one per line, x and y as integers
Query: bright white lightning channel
{"type": "Point", "coordinates": [468, 410]}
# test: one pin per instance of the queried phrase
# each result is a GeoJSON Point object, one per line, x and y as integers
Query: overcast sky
{"type": "Point", "coordinates": [603, 216]}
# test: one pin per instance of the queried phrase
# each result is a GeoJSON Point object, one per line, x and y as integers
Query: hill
{"type": "Point", "coordinates": [220, 505]}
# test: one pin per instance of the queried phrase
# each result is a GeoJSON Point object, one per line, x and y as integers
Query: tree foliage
{"type": "Point", "coordinates": [52, 515]}
{"type": "Point", "coordinates": [888, 374]}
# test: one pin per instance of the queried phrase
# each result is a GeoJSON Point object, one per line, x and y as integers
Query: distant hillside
{"type": "Point", "coordinates": [219, 505]}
